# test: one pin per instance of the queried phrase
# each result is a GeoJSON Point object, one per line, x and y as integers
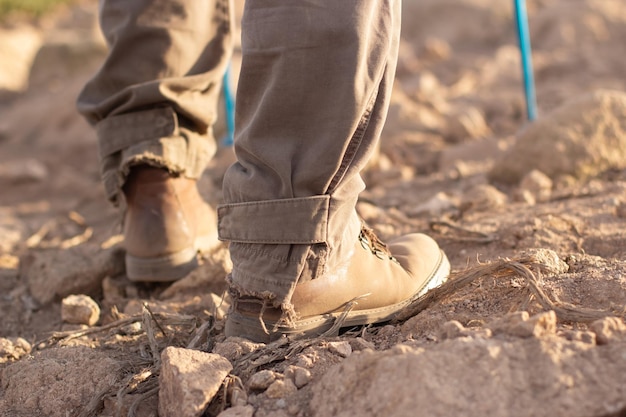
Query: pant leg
{"type": "Point", "coordinates": [312, 99]}
{"type": "Point", "coordinates": [155, 98]}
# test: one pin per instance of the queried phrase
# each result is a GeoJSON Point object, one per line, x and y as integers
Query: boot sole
{"type": "Point", "coordinates": [249, 327]}
{"type": "Point", "coordinates": [170, 267]}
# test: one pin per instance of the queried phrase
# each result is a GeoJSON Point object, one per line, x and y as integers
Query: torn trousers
{"type": "Point", "coordinates": [312, 98]}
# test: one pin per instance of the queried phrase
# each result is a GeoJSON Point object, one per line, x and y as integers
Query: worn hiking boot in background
{"type": "Point", "coordinates": [376, 283]}
{"type": "Point", "coordinates": [165, 225]}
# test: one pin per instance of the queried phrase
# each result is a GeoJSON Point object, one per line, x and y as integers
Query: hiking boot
{"type": "Point", "coordinates": [165, 225]}
{"type": "Point", "coordinates": [378, 282]}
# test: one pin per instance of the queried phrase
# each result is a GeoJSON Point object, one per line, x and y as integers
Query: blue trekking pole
{"type": "Point", "coordinates": [229, 99]}
{"type": "Point", "coordinates": [521, 18]}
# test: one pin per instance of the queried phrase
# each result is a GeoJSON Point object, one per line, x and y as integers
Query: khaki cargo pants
{"type": "Point", "coordinates": [312, 99]}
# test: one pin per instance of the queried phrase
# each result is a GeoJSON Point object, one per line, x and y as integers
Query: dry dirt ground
{"type": "Point", "coordinates": [532, 217]}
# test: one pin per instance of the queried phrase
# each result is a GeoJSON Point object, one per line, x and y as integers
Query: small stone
{"type": "Point", "coordinates": [538, 184]}
{"type": "Point", "coordinates": [361, 344]}
{"type": "Point", "coordinates": [238, 411]}
{"type": "Point", "coordinates": [549, 260]}
{"type": "Point", "coordinates": [305, 361]}
{"type": "Point", "coordinates": [483, 197]}
{"type": "Point", "coordinates": [608, 329]}
{"type": "Point", "coordinates": [28, 170]}
{"type": "Point", "coordinates": [281, 388]}
{"type": "Point", "coordinates": [524, 196]}
{"type": "Point", "coordinates": [302, 377]}
{"type": "Point", "coordinates": [468, 123]}
{"type": "Point", "coordinates": [519, 324]}
{"type": "Point", "coordinates": [452, 329]}
{"type": "Point", "coordinates": [189, 380]}
{"type": "Point", "coordinates": [234, 348]}
{"type": "Point", "coordinates": [261, 380]}
{"type": "Point", "coordinates": [436, 49]}
{"type": "Point", "coordinates": [435, 206]}
{"type": "Point", "coordinates": [13, 349]}
{"type": "Point", "coordinates": [132, 329]}
{"type": "Point", "coordinates": [80, 309]}
{"type": "Point", "coordinates": [298, 375]}
{"type": "Point", "coordinates": [342, 349]}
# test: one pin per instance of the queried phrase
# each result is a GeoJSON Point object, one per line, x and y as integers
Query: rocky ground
{"type": "Point", "coordinates": [532, 216]}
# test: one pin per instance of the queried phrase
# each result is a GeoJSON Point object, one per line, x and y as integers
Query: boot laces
{"type": "Point", "coordinates": [371, 242]}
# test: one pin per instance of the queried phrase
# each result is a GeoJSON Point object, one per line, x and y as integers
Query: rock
{"type": "Point", "coordinates": [548, 260]}
{"type": "Point", "coordinates": [59, 381]}
{"type": "Point", "coordinates": [80, 309]}
{"type": "Point", "coordinates": [27, 170]}
{"type": "Point", "coordinates": [608, 329]}
{"type": "Point", "coordinates": [438, 204]}
{"type": "Point", "coordinates": [261, 380]}
{"type": "Point", "coordinates": [435, 49]}
{"type": "Point", "coordinates": [18, 48]}
{"type": "Point", "coordinates": [468, 123]}
{"type": "Point", "coordinates": [588, 134]}
{"type": "Point", "coordinates": [519, 324]}
{"type": "Point", "coordinates": [361, 344]}
{"type": "Point", "coordinates": [538, 184]}
{"type": "Point", "coordinates": [13, 349]}
{"type": "Point", "coordinates": [479, 377]}
{"type": "Point", "coordinates": [300, 376]}
{"type": "Point", "coordinates": [483, 197]}
{"type": "Point", "coordinates": [238, 411]}
{"type": "Point", "coordinates": [234, 348]}
{"type": "Point", "coordinates": [452, 329]}
{"type": "Point", "coordinates": [281, 388]}
{"type": "Point", "coordinates": [61, 272]}
{"type": "Point", "coordinates": [342, 349]}
{"type": "Point", "coordinates": [189, 380]}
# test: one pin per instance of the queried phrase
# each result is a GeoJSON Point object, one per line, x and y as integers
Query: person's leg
{"type": "Point", "coordinates": [313, 96]}
{"type": "Point", "coordinates": [153, 104]}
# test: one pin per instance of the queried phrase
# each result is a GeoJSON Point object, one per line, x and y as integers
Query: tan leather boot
{"type": "Point", "coordinates": [377, 283]}
{"type": "Point", "coordinates": [166, 223]}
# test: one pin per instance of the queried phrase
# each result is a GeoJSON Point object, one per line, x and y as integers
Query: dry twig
{"type": "Point", "coordinates": [504, 268]}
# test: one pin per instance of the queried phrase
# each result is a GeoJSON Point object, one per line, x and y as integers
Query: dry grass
{"type": "Point", "coordinates": [31, 8]}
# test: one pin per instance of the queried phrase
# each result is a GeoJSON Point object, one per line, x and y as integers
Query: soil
{"type": "Point", "coordinates": [532, 216]}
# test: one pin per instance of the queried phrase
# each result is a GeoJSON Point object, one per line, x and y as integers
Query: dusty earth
{"type": "Point", "coordinates": [532, 217]}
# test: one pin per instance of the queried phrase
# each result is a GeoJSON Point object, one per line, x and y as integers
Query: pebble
{"type": "Point", "coordinates": [342, 349]}
{"type": "Point", "coordinates": [519, 324]}
{"type": "Point", "coordinates": [608, 330]}
{"type": "Point", "coordinates": [281, 388]}
{"type": "Point", "coordinates": [13, 348]}
{"type": "Point", "coordinates": [298, 375]}
{"type": "Point", "coordinates": [234, 348]}
{"type": "Point", "coordinates": [538, 184]}
{"type": "Point", "coordinates": [28, 170]}
{"type": "Point", "coordinates": [80, 309]}
{"type": "Point", "coordinates": [262, 380]}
